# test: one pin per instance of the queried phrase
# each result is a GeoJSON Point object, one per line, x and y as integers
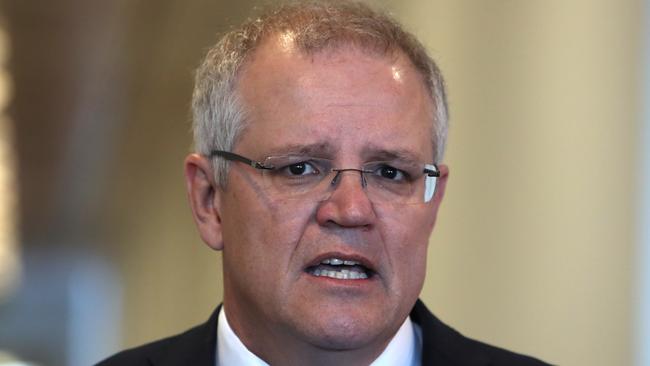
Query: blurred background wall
{"type": "Point", "coordinates": [538, 242]}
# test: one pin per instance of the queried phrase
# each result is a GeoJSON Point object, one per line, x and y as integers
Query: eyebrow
{"type": "Point", "coordinates": [317, 149]}
{"type": "Point", "coordinates": [377, 153]}
{"type": "Point", "coordinates": [324, 149]}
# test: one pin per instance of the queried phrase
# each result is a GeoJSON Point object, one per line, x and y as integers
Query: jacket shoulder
{"type": "Point", "coordinates": [196, 346]}
{"type": "Point", "coordinates": [443, 345]}
{"type": "Point", "coordinates": [138, 356]}
{"type": "Point", "coordinates": [501, 357]}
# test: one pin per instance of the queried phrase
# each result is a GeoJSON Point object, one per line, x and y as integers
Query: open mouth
{"type": "Point", "coordinates": [340, 269]}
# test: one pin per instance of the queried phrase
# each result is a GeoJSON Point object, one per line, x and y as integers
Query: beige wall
{"type": "Point", "coordinates": [534, 246]}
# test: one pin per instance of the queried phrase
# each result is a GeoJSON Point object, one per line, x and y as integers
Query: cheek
{"type": "Point", "coordinates": [259, 244]}
{"type": "Point", "coordinates": [406, 235]}
{"type": "Point", "coordinates": [263, 231]}
{"type": "Point", "coordinates": [407, 228]}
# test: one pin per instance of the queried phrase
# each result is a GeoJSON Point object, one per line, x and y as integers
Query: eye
{"type": "Point", "coordinates": [300, 169]}
{"type": "Point", "coordinates": [390, 173]}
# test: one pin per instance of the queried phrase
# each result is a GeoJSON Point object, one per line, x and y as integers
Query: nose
{"type": "Point", "coordinates": [348, 204]}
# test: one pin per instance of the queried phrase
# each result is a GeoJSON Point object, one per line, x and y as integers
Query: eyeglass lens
{"type": "Point", "coordinates": [314, 179]}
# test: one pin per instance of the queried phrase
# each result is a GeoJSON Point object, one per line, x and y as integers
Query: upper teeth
{"type": "Point", "coordinates": [338, 262]}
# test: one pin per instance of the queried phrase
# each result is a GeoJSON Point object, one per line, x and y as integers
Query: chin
{"type": "Point", "coordinates": [351, 331]}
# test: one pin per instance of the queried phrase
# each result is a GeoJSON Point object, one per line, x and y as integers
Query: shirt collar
{"type": "Point", "coordinates": [404, 349]}
{"type": "Point", "coordinates": [230, 349]}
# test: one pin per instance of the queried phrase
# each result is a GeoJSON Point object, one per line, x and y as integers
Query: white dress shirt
{"type": "Point", "coordinates": [404, 349]}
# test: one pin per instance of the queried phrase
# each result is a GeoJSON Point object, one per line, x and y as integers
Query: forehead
{"type": "Point", "coordinates": [334, 97]}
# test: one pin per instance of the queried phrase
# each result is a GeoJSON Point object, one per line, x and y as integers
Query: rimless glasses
{"type": "Point", "coordinates": [298, 177]}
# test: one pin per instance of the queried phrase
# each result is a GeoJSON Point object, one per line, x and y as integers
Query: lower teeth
{"type": "Point", "coordinates": [343, 274]}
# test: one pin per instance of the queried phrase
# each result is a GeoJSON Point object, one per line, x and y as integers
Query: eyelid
{"type": "Point", "coordinates": [296, 158]}
{"type": "Point", "coordinates": [407, 166]}
{"type": "Point", "coordinates": [281, 162]}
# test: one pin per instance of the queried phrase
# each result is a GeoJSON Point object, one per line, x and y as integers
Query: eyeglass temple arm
{"type": "Point", "coordinates": [236, 157]}
{"type": "Point", "coordinates": [431, 172]}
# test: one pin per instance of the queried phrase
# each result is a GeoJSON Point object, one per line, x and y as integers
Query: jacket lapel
{"type": "Point", "coordinates": [442, 345]}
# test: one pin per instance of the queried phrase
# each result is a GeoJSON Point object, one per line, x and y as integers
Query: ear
{"type": "Point", "coordinates": [205, 199]}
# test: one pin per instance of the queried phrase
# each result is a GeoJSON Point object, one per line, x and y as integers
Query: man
{"type": "Point", "coordinates": [319, 132]}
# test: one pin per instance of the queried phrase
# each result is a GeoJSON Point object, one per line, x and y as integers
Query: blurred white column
{"type": "Point", "coordinates": [9, 261]}
{"type": "Point", "coordinates": [643, 331]}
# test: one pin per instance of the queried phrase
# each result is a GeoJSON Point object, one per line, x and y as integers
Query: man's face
{"type": "Point", "coordinates": [351, 107]}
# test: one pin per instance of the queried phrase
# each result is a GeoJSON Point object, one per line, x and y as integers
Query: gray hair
{"type": "Point", "coordinates": [218, 114]}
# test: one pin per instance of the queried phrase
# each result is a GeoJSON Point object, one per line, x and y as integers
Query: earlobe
{"type": "Point", "coordinates": [205, 197]}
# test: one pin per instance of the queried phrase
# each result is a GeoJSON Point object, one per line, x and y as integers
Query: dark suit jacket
{"type": "Point", "coordinates": [441, 346]}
